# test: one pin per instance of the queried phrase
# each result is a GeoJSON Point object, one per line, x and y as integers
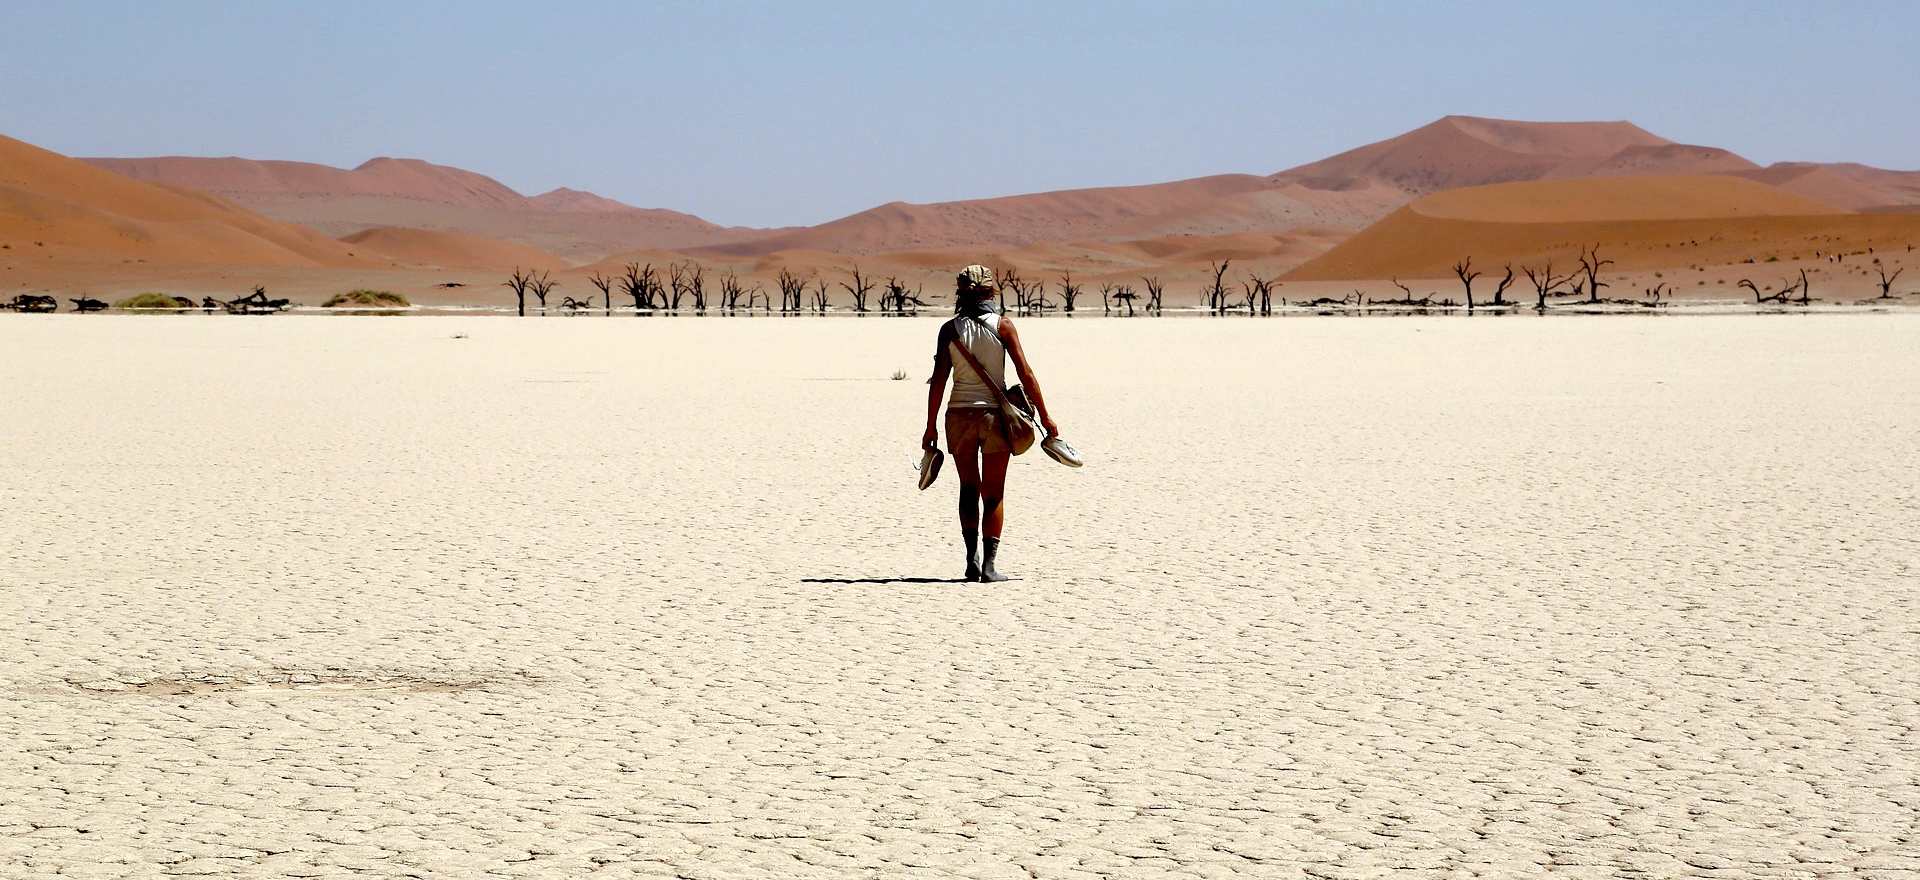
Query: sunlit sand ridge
{"type": "Point", "coordinates": [452, 597]}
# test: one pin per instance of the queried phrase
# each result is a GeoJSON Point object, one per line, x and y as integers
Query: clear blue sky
{"type": "Point", "coordinates": [795, 113]}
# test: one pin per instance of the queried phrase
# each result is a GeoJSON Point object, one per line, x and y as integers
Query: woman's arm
{"type": "Point", "coordinates": [937, 387]}
{"type": "Point", "coordinates": [1011, 337]}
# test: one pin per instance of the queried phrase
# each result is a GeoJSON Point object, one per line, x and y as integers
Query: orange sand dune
{"type": "Point", "coordinates": [1640, 223]}
{"type": "Point", "coordinates": [67, 209]}
{"type": "Point", "coordinates": [1629, 198]}
{"type": "Point", "coordinates": [453, 250]}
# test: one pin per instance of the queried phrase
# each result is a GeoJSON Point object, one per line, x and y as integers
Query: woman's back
{"type": "Point", "coordinates": [985, 346]}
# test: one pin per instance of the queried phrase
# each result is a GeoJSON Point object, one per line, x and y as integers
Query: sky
{"type": "Point", "coordinates": [778, 114]}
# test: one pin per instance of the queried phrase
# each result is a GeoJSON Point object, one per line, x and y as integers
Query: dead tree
{"type": "Point", "coordinates": [540, 286]}
{"type": "Point", "coordinates": [899, 301]}
{"type": "Point", "coordinates": [575, 305]}
{"type": "Point", "coordinates": [731, 291]}
{"type": "Point", "coordinates": [1125, 294]}
{"type": "Point", "coordinates": [861, 288]}
{"type": "Point", "coordinates": [32, 302]}
{"type": "Point", "coordinates": [520, 282]}
{"type": "Point", "coordinates": [1591, 264]}
{"type": "Point", "coordinates": [697, 286]}
{"type": "Point", "coordinates": [1464, 269]}
{"type": "Point", "coordinates": [606, 289]}
{"type": "Point", "coordinates": [1154, 289]}
{"type": "Point", "coordinates": [1654, 294]}
{"type": "Point", "coordinates": [793, 290]}
{"type": "Point", "coordinates": [88, 304]}
{"type": "Point", "coordinates": [1106, 297]}
{"type": "Point", "coordinates": [1500, 291]}
{"type": "Point", "coordinates": [677, 282]}
{"type": "Point", "coordinates": [1886, 281]}
{"type": "Point", "coordinates": [820, 296]}
{"type": "Point", "coordinates": [1069, 291]}
{"type": "Point", "coordinates": [1806, 289]}
{"type": "Point", "coordinates": [1217, 292]}
{"type": "Point", "coordinates": [1010, 281]}
{"type": "Point", "coordinates": [641, 283]}
{"type": "Point", "coordinates": [1760, 297]}
{"type": "Point", "coordinates": [1260, 289]}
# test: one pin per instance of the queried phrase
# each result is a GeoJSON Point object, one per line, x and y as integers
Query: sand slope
{"type": "Point", "coordinates": [64, 208]}
{"type": "Point", "coordinates": [1641, 223]}
{"type": "Point", "coordinates": [454, 250]}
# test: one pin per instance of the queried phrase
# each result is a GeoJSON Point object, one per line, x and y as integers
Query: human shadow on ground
{"type": "Point", "coordinates": [884, 580]}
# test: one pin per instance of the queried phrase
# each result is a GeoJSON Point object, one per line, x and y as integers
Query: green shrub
{"type": "Point", "coordinates": [367, 298]}
{"type": "Point", "coordinates": [148, 300]}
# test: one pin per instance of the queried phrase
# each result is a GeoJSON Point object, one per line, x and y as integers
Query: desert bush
{"type": "Point", "coordinates": [366, 298]}
{"type": "Point", "coordinates": [148, 300]}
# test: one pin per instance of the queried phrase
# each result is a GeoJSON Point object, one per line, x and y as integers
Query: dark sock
{"type": "Point", "coordinates": [972, 537]}
{"type": "Point", "coordinates": [987, 573]}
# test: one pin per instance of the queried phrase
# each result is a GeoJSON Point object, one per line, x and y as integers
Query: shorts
{"type": "Point", "coordinates": [976, 426]}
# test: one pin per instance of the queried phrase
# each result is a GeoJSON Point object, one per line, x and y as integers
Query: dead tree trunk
{"type": "Point", "coordinates": [861, 288]}
{"type": "Point", "coordinates": [1500, 291]}
{"type": "Point", "coordinates": [606, 290]}
{"type": "Point", "coordinates": [541, 285]}
{"type": "Point", "coordinates": [1544, 284]}
{"type": "Point", "coordinates": [641, 283]}
{"type": "Point", "coordinates": [1464, 269]}
{"type": "Point", "coordinates": [1068, 290]}
{"type": "Point", "coordinates": [793, 289]}
{"type": "Point", "coordinates": [1591, 264]}
{"type": "Point", "coordinates": [1217, 291]}
{"type": "Point", "coordinates": [1154, 290]}
{"type": "Point", "coordinates": [519, 282]}
{"type": "Point", "coordinates": [1886, 281]}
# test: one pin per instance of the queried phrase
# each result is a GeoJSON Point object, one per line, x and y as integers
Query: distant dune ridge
{"type": "Point", "coordinates": [387, 192]}
{"type": "Point", "coordinates": [1405, 206]}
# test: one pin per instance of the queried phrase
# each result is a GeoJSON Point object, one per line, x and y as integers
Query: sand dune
{"type": "Point", "coordinates": [1351, 189]}
{"type": "Point", "coordinates": [1641, 223]}
{"type": "Point", "coordinates": [453, 250]}
{"type": "Point", "coordinates": [67, 209]}
{"type": "Point", "coordinates": [384, 192]}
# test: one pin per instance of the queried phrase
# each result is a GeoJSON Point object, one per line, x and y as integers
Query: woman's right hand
{"type": "Point", "coordinates": [931, 438]}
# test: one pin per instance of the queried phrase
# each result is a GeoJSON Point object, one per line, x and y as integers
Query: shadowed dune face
{"type": "Point", "coordinates": [453, 250]}
{"type": "Point", "coordinates": [1643, 223]}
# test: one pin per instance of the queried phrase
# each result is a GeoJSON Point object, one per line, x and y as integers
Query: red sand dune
{"type": "Point", "coordinates": [452, 250]}
{"type": "Point", "coordinates": [1640, 223]}
{"type": "Point", "coordinates": [63, 208]}
{"type": "Point", "coordinates": [412, 193]}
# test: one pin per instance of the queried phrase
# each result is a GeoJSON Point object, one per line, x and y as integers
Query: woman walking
{"type": "Point", "coordinates": [976, 431]}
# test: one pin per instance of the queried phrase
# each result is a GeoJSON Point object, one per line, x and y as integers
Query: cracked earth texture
{"type": "Point", "coordinates": [1334, 598]}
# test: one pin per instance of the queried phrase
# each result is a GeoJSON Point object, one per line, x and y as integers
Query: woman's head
{"type": "Point", "coordinates": [973, 287]}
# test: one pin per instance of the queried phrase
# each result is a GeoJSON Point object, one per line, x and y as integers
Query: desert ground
{"type": "Point", "coordinates": [1437, 597]}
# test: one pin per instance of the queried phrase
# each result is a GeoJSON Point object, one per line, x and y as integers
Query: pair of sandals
{"type": "Point", "coordinates": [1057, 449]}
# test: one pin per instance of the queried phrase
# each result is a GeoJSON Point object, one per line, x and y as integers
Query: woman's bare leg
{"type": "Point", "coordinates": [993, 489]}
{"type": "Point", "coordinates": [966, 462]}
